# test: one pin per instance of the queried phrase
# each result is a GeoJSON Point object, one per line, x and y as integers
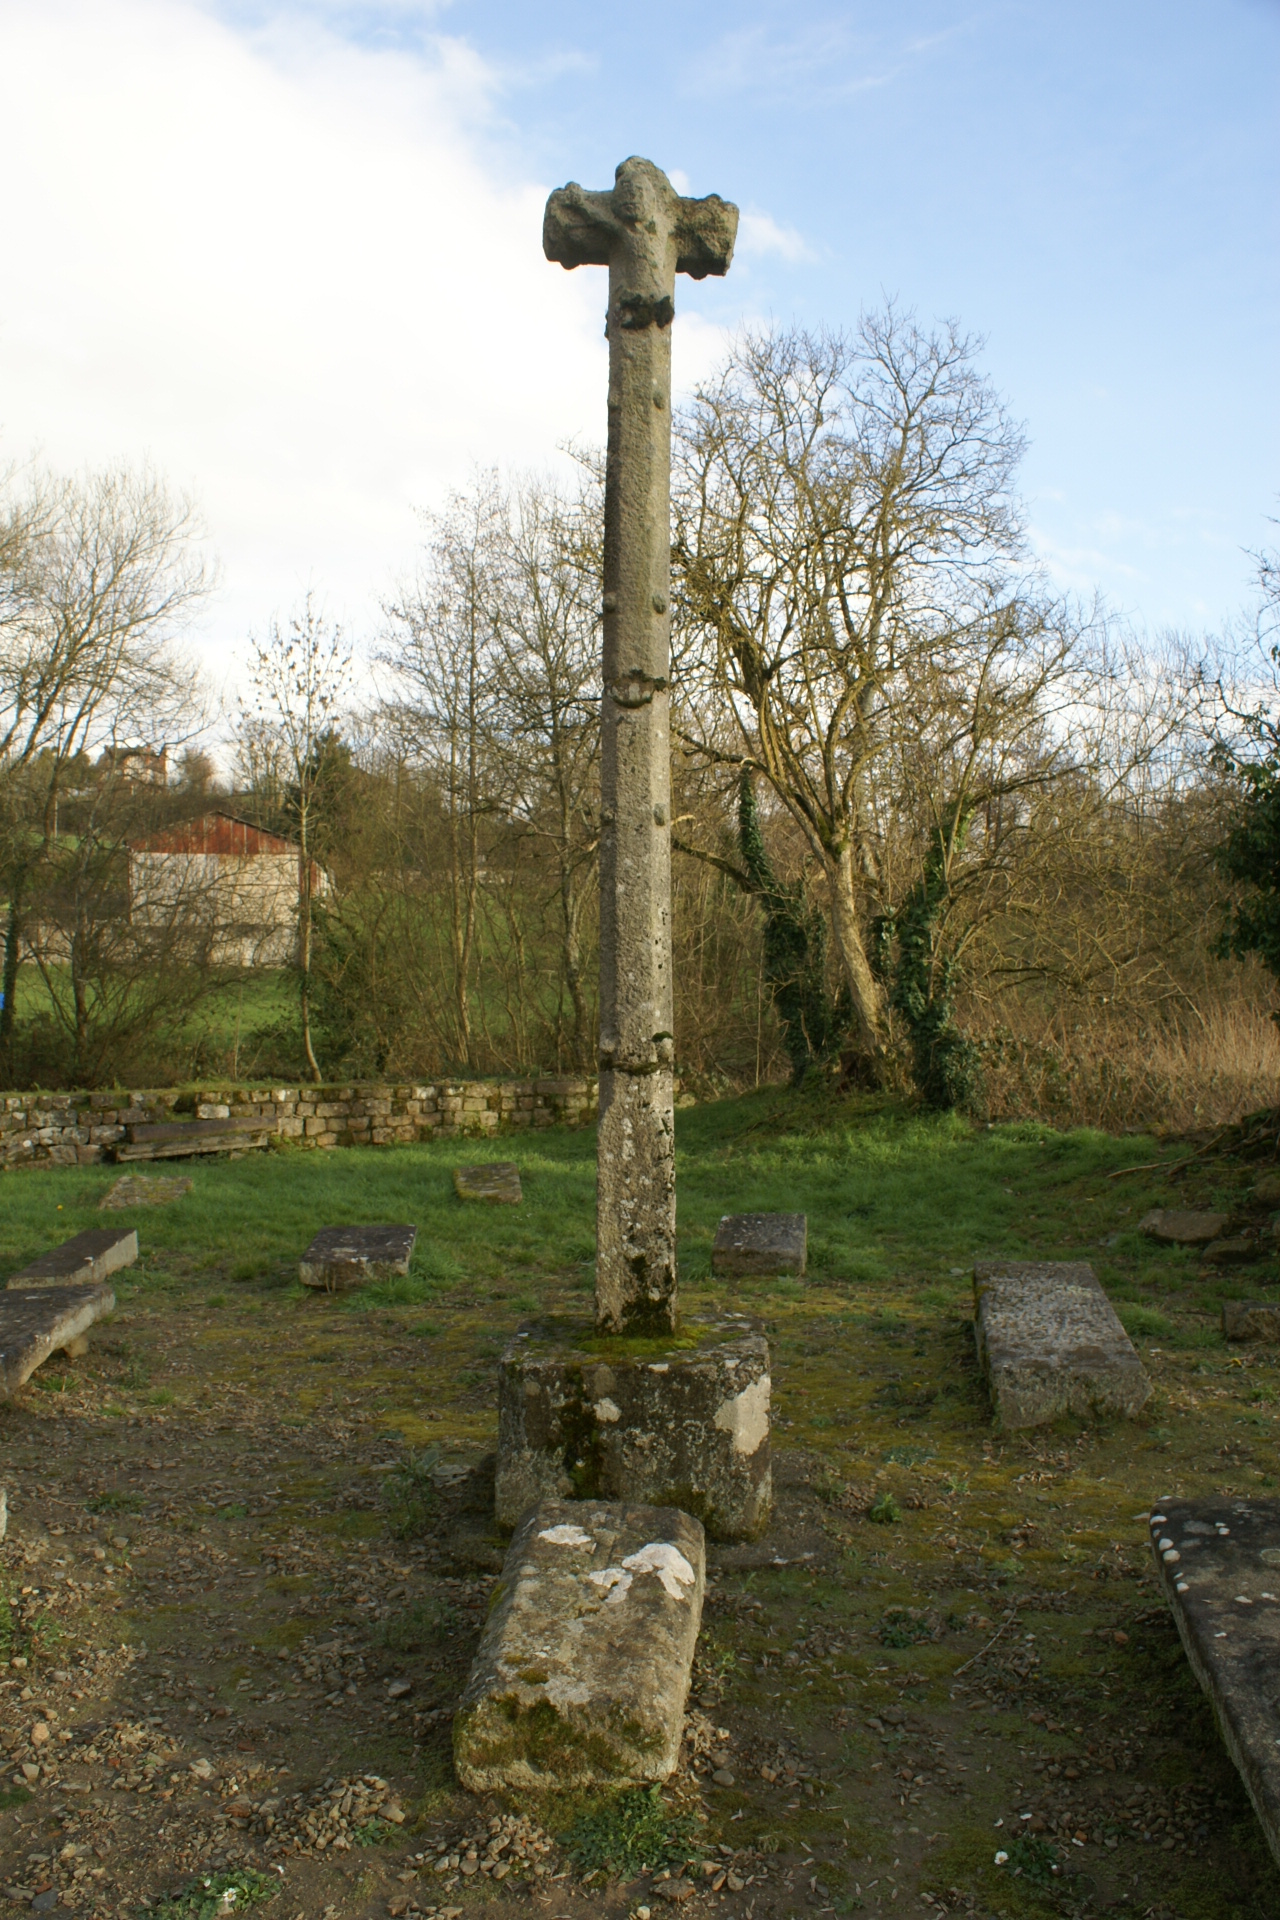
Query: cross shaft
{"type": "Point", "coordinates": [645, 233]}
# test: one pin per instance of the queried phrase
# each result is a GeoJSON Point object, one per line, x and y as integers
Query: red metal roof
{"type": "Point", "coordinates": [218, 833]}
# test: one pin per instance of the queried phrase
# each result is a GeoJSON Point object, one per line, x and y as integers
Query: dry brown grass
{"type": "Point", "coordinates": [1223, 1062]}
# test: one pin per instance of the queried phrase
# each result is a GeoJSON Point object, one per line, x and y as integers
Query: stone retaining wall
{"type": "Point", "coordinates": [66, 1129]}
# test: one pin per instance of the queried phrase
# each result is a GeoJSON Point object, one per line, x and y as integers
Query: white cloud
{"type": "Point", "coordinates": [760, 233]}
{"type": "Point", "coordinates": [283, 269]}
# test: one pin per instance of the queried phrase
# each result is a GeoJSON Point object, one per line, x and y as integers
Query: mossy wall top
{"type": "Point", "coordinates": [63, 1129]}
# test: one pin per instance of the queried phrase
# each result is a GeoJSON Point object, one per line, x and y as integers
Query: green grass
{"type": "Point", "coordinates": [623, 1833]}
{"type": "Point", "coordinates": [891, 1198]}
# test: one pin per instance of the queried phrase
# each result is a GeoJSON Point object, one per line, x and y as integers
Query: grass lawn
{"type": "Point", "coordinates": [300, 1487]}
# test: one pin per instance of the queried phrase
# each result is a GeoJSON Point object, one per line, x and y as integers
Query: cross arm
{"type": "Point", "coordinates": [641, 215]}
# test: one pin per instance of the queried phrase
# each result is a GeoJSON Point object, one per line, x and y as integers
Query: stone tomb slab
{"type": "Point", "coordinates": [1251, 1320]}
{"type": "Point", "coordinates": [766, 1243]}
{"type": "Point", "coordinates": [38, 1321]}
{"type": "Point", "coordinates": [340, 1258]}
{"type": "Point", "coordinates": [1049, 1343]}
{"type": "Point", "coordinates": [142, 1190]}
{"type": "Point", "coordinates": [609, 1417]}
{"type": "Point", "coordinates": [583, 1673]}
{"type": "Point", "coordinates": [83, 1261]}
{"type": "Point", "coordinates": [1180, 1227]}
{"type": "Point", "coordinates": [498, 1183]}
{"type": "Point", "coordinates": [1219, 1565]}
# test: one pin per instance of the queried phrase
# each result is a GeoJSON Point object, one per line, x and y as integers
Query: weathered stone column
{"type": "Point", "coordinates": [645, 233]}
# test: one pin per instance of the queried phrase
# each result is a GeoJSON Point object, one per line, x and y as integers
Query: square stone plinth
{"type": "Point", "coordinates": [498, 1183]}
{"type": "Point", "coordinates": [1219, 1565]}
{"type": "Point", "coordinates": [83, 1261]}
{"type": "Point", "coordinates": [595, 1417]}
{"type": "Point", "coordinates": [583, 1671]}
{"type": "Point", "coordinates": [340, 1258]}
{"type": "Point", "coordinates": [767, 1243]}
{"type": "Point", "coordinates": [1251, 1320]}
{"type": "Point", "coordinates": [1049, 1343]}
{"type": "Point", "coordinates": [38, 1321]}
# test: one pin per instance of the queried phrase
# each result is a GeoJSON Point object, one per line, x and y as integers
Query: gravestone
{"type": "Point", "coordinates": [684, 1425]}
{"type": "Point", "coordinates": [340, 1258]}
{"type": "Point", "coordinates": [143, 1190]}
{"type": "Point", "coordinates": [760, 1243]}
{"type": "Point", "coordinates": [1251, 1320]}
{"type": "Point", "coordinates": [1180, 1227]}
{"type": "Point", "coordinates": [498, 1183]}
{"type": "Point", "coordinates": [1219, 1565]}
{"type": "Point", "coordinates": [38, 1321]}
{"type": "Point", "coordinates": [82, 1261]}
{"type": "Point", "coordinates": [583, 1671]}
{"type": "Point", "coordinates": [1049, 1343]}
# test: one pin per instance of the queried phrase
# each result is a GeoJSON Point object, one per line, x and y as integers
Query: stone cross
{"type": "Point", "coordinates": [645, 233]}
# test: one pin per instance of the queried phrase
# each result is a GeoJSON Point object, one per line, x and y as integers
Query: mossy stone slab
{"type": "Point", "coordinates": [1181, 1227]}
{"type": "Point", "coordinates": [340, 1258]}
{"type": "Point", "coordinates": [38, 1321]}
{"type": "Point", "coordinates": [498, 1183]}
{"type": "Point", "coordinates": [760, 1243]}
{"type": "Point", "coordinates": [1049, 1343]}
{"type": "Point", "coordinates": [1219, 1566]}
{"type": "Point", "coordinates": [82, 1261]}
{"type": "Point", "coordinates": [1251, 1320]}
{"type": "Point", "coordinates": [682, 1422]}
{"type": "Point", "coordinates": [583, 1672]}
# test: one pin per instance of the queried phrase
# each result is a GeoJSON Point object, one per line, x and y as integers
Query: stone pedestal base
{"type": "Point", "coordinates": [583, 1671]}
{"type": "Point", "coordinates": [680, 1424]}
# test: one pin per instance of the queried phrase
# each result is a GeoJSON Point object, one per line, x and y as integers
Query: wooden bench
{"type": "Point", "coordinates": [38, 1321]}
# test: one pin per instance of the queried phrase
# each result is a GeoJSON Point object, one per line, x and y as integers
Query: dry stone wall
{"type": "Point", "coordinates": [69, 1129]}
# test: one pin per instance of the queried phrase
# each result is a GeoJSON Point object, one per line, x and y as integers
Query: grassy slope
{"type": "Point", "coordinates": [875, 1383]}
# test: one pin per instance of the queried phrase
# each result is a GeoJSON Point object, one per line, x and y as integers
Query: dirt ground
{"type": "Point", "coordinates": [250, 1551]}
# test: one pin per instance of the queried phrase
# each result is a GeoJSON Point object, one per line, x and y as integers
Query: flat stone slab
{"type": "Point", "coordinates": [1178, 1227]}
{"type": "Point", "coordinates": [1050, 1343]}
{"type": "Point", "coordinates": [583, 1672]}
{"type": "Point", "coordinates": [181, 1139]}
{"type": "Point", "coordinates": [143, 1190]}
{"type": "Point", "coordinates": [83, 1261]}
{"type": "Point", "coordinates": [1219, 1565]}
{"type": "Point", "coordinates": [498, 1183]}
{"type": "Point", "coordinates": [768, 1243]}
{"type": "Point", "coordinates": [1250, 1320]}
{"type": "Point", "coordinates": [340, 1258]}
{"type": "Point", "coordinates": [1239, 1251]}
{"type": "Point", "coordinates": [600, 1417]}
{"type": "Point", "coordinates": [38, 1321]}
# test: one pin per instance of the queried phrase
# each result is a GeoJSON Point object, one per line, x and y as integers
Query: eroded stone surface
{"type": "Point", "coordinates": [142, 1190]}
{"type": "Point", "coordinates": [183, 1139]}
{"type": "Point", "coordinates": [82, 1261]}
{"type": "Point", "coordinates": [1179, 1227]}
{"type": "Point", "coordinates": [343, 1257]}
{"type": "Point", "coordinates": [1050, 1343]}
{"type": "Point", "coordinates": [583, 1672]}
{"type": "Point", "coordinates": [498, 1183]}
{"type": "Point", "coordinates": [748, 1243]}
{"type": "Point", "coordinates": [683, 1426]}
{"type": "Point", "coordinates": [1250, 1320]}
{"type": "Point", "coordinates": [645, 233]}
{"type": "Point", "coordinates": [1219, 1565]}
{"type": "Point", "coordinates": [38, 1321]}
{"type": "Point", "coordinates": [1237, 1251]}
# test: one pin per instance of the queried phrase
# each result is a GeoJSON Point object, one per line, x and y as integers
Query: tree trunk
{"type": "Point", "coordinates": [864, 1063]}
{"type": "Point", "coordinates": [9, 978]}
{"type": "Point", "coordinates": [304, 959]}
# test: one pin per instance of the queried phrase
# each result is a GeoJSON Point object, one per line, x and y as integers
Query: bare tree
{"type": "Point", "coordinates": [845, 539]}
{"type": "Point", "coordinates": [98, 578]}
{"type": "Point", "coordinates": [441, 649]}
{"type": "Point", "coordinates": [300, 674]}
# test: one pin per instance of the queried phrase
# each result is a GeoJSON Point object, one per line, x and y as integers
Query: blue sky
{"type": "Point", "coordinates": [306, 280]}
